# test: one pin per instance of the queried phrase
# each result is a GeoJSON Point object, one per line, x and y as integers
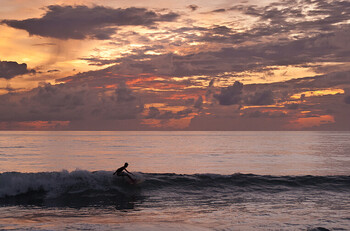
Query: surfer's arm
{"type": "Point", "coordinates": [114, 172]}
{"type": "Point", "coordinates": [128, 172]}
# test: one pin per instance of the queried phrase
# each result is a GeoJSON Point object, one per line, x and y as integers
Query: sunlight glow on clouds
{"type": "Point", "coordinates": [317, 93]}
{"type": "Point", "coordinates": [203, 65]}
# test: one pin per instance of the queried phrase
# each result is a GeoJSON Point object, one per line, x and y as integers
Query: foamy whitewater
{"type": "Point", "coordinates": [185, 181]}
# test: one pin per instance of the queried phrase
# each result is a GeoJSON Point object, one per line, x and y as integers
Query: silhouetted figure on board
{"type": "Point", "coordinates": [123, 172]}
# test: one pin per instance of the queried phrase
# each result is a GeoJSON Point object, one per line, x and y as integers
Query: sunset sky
{"type": "Point", "coordinates": [174, 65]}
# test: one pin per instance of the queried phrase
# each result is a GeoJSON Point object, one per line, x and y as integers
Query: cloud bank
{"type": "Point", "coordinates": [9, 70]}
{"type": "Point", "coordinates": [81, 22]}
{"type": "Point", "coordinates": [69, 103]}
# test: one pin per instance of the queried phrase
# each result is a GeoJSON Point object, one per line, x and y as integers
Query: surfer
{"type": "Point", "coordinates": [123, 172]}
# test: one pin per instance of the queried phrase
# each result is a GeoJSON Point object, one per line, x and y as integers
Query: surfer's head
{"type": "Point", "coordinates": [126, 164]}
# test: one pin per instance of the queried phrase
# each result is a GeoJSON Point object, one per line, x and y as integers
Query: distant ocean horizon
{"type": "Point", "coordinates": [196, 180]}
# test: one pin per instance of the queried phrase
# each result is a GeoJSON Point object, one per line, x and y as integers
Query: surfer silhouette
{"type": "Point", "coordinates": [123, 172]}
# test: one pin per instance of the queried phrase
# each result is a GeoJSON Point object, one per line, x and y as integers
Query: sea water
{"type": "Point", "coordinates": [190, 180]}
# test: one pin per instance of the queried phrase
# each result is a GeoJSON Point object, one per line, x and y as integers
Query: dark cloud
{"type": "Point", "coordinates": [321, 48]}
{"type": "Point", "coordinates": [260, 98]}
{"type": "Point", "coordinates": [214, 123]}
{"type": "Point", "coordinates": [332, 47]}
{"type": "Point", "coordinates": [219, 10]}
{"type": "Point", "coordinates": [124, 94]}
{"type": "Point", "coordinates": [10, 89]}
{"type": "Point", "coordinates": [182, 113]}
{"type": "Point", "coordinates": [80, 22]}
{"type": "Point", "coordinates": [328, 109]}
{"type": "Point", "coordinates": [347, 99]}
{"type": "Point", "coordinates": [199, 102]}
{"type": "Point", "coordinates": [257, 114]}
{"type": "Point", "coordinates": [53, 70]}
{"type": "Point", "coordinates": [292, 106]}
{"type": "Point", "coordinates": [211, 83]}
{"type": "Point", "coordinates": [68, 103]}
{"type": "Point", "coordinates": [155, 113]}
{"type": "Point", "coordinates": [331, 80]}
{"type": "Point", "coordinates": [9, 70]}
{"type": "Point", "coordinates": [281, 92]}
{"type": "Point", "coordinates": [45, 44]}
{"type": "Point", "coordinates": [193, 7]}
{"type": "Point", "coordinates": [279, 20]}
{"type": "Point", "coordinates": [320, 15]}
{"type": "Point", "coordinates": [325, 47]}
{"type": "Point", "coordinates": [230, 95]}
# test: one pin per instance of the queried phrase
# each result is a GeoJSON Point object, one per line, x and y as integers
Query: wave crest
{"type": "Point", "coordinates": [80, 182]}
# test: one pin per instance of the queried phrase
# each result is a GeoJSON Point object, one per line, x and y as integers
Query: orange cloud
{"type": "Point", "coordinates": [167, 86]}
{"type": "Point", "coordinates": [323, 92]}
{"type": "Point", "coordinates": [34, 125]}
{"type": "Point", "coordinates": [140, 81]}
{"type": "Point", "coordinates": [168, 124]}
{"type": "Point", "coordinates": [179, 96]}
{"type": "Point", "coordinates": [309, 122]}
{"type": "Point", "coordinates": [153, 123]}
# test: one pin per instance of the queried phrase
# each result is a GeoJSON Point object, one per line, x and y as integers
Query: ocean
{"type": "Point", "coordinates": [186, 180]}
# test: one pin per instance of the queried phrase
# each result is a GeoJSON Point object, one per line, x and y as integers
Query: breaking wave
{"type": "Point", "coordinates": [101, 187]}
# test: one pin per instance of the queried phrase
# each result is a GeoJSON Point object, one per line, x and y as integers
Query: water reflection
{"type": "Point", "coordinates": [264, 153]}
{"type": "Point", "coordinates": [119, 201]}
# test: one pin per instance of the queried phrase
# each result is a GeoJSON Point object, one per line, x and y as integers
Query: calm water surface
{"type": "Point", "coordinates": [273, 153]}
{"type": "Point", "coordinates": [190, 180]}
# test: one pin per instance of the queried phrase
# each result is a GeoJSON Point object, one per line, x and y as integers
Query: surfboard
{"type": "Point", "coordinates": [137, 178]}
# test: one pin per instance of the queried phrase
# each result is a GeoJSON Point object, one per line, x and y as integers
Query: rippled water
{"type": "Point", "coordinates": [190, 180]}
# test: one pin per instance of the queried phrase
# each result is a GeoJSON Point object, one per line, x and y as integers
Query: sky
{"type": "Point", "coordinates": [175, 65]}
